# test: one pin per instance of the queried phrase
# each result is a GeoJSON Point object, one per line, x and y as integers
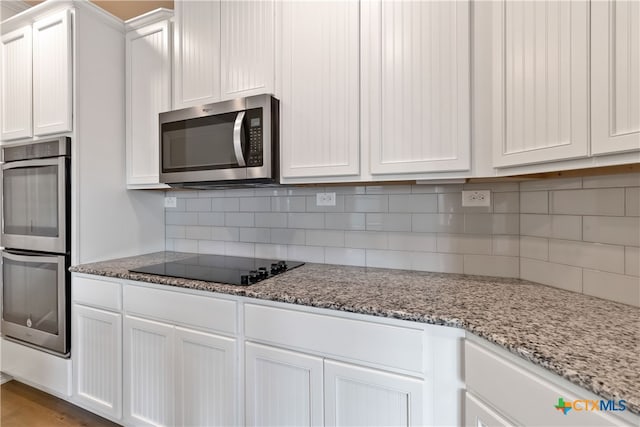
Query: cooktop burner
{"type": "Point", "coordinates": [221, 269]}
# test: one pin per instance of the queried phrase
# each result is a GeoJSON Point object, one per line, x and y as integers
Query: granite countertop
{"type": "Point", "coordinates": [591, 342]}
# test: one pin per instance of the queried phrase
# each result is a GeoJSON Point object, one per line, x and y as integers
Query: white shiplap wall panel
{"type": "Point", "coordinates": [205, 379]}
{"type": "Point", "coordinates": [615, 76]}
{"type": "Point", "coordinates": [416, 85]}
{"type": "Point", "coordinates": [52, 74]}
{"type": "Point", "coordinates": [197, 53]}
{"type": "Point", "coordinates": [148, 93]}
{"type": "Point", "coordinates": [540, 81]}
{"type": "Point", "coordinates": [283, 387]}
{"type": "Point", "coordinates": [247, 47]}
{"type": "Point", "coordinates": [98, 359]}
{"type": "Point", "coordinates": [320, 88]}
{"type": "Point", "coordinates": [16, 84]}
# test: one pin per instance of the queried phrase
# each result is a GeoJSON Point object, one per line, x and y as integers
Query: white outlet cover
{"type": "Point", "coordinates": [170, 202]}
{"type": "Point", "coordinates": [478, 198]}
{"type": "Point", "coordinates": [325, 199]}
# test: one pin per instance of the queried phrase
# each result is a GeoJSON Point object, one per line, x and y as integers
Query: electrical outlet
{"type": "Point", "coordinates": [476, 198]}
{"type": "Point", "coordinates": [170, 202]}
{"type": "Point", "coordinates": [325, 199]}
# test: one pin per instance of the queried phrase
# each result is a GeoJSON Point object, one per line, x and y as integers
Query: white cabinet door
{"type": "Point", "coordinates": [148, 93]}
{"type": "Point", "coordinates": [361, 396]}
{"type": "Point", "coordinates": [282, 387]}
{"type": "Point", "coordinates": [52, 74]}
{"type": "Point", "coordinates": [416, 85]}
{"type": "Point", "coordinates": [540, 65]}
{"type": "Point", "coordinates": [206, 377]}
{"type": "Point", "coordinates": [196, 53]}
{"type": "Point", "coordinates": [97, 360]}
{"type": "Point", "coordinates": [319, 88]}
{"type": "Point", "coordinates": [247, 41]}
{"type": "Point", "coordinates": [148, 372]}
{"type": "Point", "coordinates": [477, 414]}
{"type": "Point", "coordinates": [615, 76]}
{"type": "Point", "coordinates": [15, 110]}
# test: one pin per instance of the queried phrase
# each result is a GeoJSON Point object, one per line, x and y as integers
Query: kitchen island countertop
{"type": "Point", "coordinates": [591, 342]}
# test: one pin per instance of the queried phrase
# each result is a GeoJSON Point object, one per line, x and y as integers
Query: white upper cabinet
{"type": "Point", "coordinates": [615, 76]}
{"type": "Point", "coordinates": [319, 88]}
{"type": "Point", "coordinates": [148, 92]}
{"type": "Point", "coordinates": [197, 53]}
{"type": "Point", "coordinates": [540, 81]}
{"type": "Point", "coordinates": [52, 82]}
{"type": "Point", "coordinates": [416, 85]}
{"type": "Point", "coordinates": [16, 84]}
{"type": "Point", "coordinates": [247, 42]}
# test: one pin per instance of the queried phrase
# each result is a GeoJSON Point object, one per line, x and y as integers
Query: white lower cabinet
{"type": "Point", "coordinates": [355, 395]}
{"type": "Point", "coordinates": [478, 414]}
{"type": "Point", "coordinates": [282, 387]}
{"type": "Point", "coordinates": [97, 361]}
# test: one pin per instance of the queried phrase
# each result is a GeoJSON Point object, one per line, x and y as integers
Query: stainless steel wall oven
{"type": "Point", "coordinates": [35, 234]}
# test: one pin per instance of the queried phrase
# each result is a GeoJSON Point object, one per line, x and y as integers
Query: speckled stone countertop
{"type": "Point", "coordinates": [591, 342]}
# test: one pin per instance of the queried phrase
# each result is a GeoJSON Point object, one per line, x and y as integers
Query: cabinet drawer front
{"type": "Point", "coordinates": [183, 309]}
{"type": "Point", "coordinates": [386, 345]}
{"type": "Point", "coordinates": [522, 395]}
{"type": "Point", "coordinates": [97, 293]}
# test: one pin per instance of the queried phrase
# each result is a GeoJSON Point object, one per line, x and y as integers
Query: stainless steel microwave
{"type": "Point", "coordinates": [231, 143]}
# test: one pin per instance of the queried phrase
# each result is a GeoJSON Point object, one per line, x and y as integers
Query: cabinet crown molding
{"type": "Point", "coordinates": [148, 18]}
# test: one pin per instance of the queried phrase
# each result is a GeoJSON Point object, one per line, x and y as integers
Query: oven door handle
{"type": "Point", "coordinates": [20, 256]}
{"type": "Point", "coordinates": [237, 142]}
{"type": "Point", "coordinates": [53, 161]}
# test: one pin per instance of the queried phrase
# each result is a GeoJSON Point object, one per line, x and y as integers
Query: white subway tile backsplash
{"type": "Point", "coordinates": [388, 189]}
{"type": "Point", "coordinates": [210, 247]}
{"type": "Point", "coordinates": [289, 204]}
{"type": "Point", "coordinates": [617, 231]}
{"type": "Point", "coordinates": [494, 187]}
{"type": "Point", "coordinates": [264, 250]}
{"type": "Point", "coordinates": [182, 194]}
{"type": "Point", "coordinates": [236, 192]}
{"type": "Point", "coordinates": [505, 245]}
{"type": "Point", "coordinates": [464, 244]}
{"type": "Point", "coordinates": [506, 202]}
{"type": "Point", "coordinates": [615, 287]}
{"type": "Point", "coordinates": [240, 249]}
{"type": "Point", "coordinates": [239, 219]}
{"type": "Point", "coordinates": [225, 234]}
{"type": "Point", "coordinates": [306, 253]}
{"type": "Point", "coordinates": [592, 255]}
{"type": "Point", "coordinates": [271, 220]}
{"type": "Point", "coordinates": [505, 224]}
{"type": "Point", "coordinates": [436, 262]}
{"type": "Point", "coordinates": [609, 181]}
{"type": "Point", "coordinates": [438, 223]}
{"type": "Point", "coordinates": [388, 259]}
{"type": "Point", "coordinates": [567, 227]}
{"type": "Point", "coordinates": [181, 218]}
{"type": "Point", "coordinates": [185, 245]}
{"type": "Point", "coordinates": [551, 184]}
{"type": "Point", "coordinates": [255, 235]}
{"type": "Point", "coordinates": [347, 190]}
{"type": "Point", "coordinates": [452, 203]}
{"type": "Point", "coordinates": [388, 222]}
{"type": "Point", "coordinates": [312, 207]}
{"type": "Point", "coordinates": [485, 265]}
{"type": "Point", "coordinates": [197, 232]}
{"type": "Point", "coordinates": [548, 273]}
{"type": "Point", "coordinates": [210, 218]}
{"type": "Point", "coordinates": [609, 201]}
{"type": "Point", "coordinates": [478, 223]}
{"type": "Point", "coordinates": [366, 239]}
{"type": "Point", "coordinates": [222, 204]}
{"type": "Point", "coordinates": [345, 256]}
{"type": "Point", "coordinates": [175, 231]}
{"type": "Point", "coordinates": [366, 203]}
{"type": "Point", "coordinates": [416, 242]}
{"type": "Point", "coordinates": [535, 225]}
{"type": "Point", "coordinates": [287, 236]}
{"type": "Point", "coordinates": [632, 261]}
{"type": "Point", "coordinates": [534, 202]}
{"type": "Point", "coordinates": [255, 204]}
{"type": "Point", "coordinates": [534, 247]}
{"type": "Point", "coordinates": [344, 221]}
{"type": "Point", "coordinates": [324, 238]}
{"type": "Point", "coordinates": [413, 203]}
{"type": "Point", "coordinates": [305, 220]}
{"type": "Point", "coordinates": [632, 201]}
{"type": "Point", "coordinates": [198, 205]}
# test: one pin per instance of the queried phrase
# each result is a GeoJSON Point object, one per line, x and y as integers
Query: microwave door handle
{"type": "Point", "coordinates": [237, 143]}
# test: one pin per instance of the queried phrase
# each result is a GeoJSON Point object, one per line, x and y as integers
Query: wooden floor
{"type": "Point", "coordinates": [24, 406]}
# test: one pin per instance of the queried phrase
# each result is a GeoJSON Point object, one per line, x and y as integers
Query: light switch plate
{"type": "Point", "coordinates": [170, 202]}
{"type": "Point", "coordinates": [476, 198]}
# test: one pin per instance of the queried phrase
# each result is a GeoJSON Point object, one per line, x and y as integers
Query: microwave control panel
{"type": "Point", "coordinates": [254, 123]}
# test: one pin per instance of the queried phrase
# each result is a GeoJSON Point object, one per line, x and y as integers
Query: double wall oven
{"type": "Point", "coordinates": [35, 235]}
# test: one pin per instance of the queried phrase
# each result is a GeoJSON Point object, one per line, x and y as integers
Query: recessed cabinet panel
{"type": "Point", "coordinates": [148, 94]}
{"type": "Point", "coordinates": [52, 83]}
{"type": "Point", "coordinates": [416, 85]}
{"type": "Point", "coordinates": [15, 111]}
{"type": "Point", "coordinates": [540, 81]}
{"type": "Point", "coordinates": [319, 81]}
{"type": "Point", "coordinates": [247, 47]}
{"type": "Point", "coordinates": [615, 76]}
{"type": "Point", "coordinates": [197, 53]}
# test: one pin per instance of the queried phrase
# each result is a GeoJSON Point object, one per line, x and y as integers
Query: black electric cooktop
{"type": "Point", "coordinates": [221, 269]}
